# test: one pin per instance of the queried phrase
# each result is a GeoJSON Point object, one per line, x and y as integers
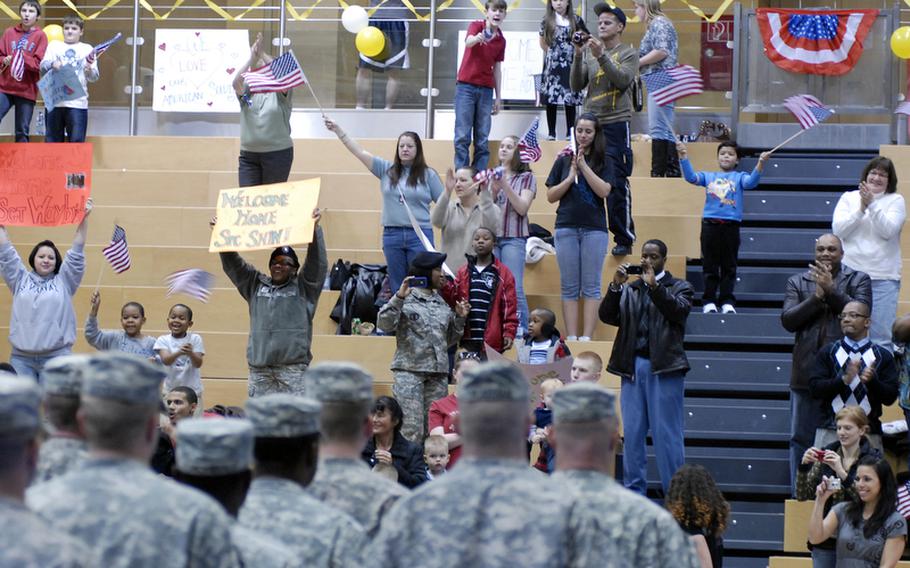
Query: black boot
{"type": "Point", "coordinates": [672, 160]}
{"type": "Point", "coordinates": [658, 158]}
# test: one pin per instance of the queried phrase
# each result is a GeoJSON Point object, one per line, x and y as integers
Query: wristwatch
{"type": "Point", "coordinates": [614, 288]}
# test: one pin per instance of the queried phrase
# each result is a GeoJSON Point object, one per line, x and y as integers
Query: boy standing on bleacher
{"type": "Point", "coordinates": [67, 121]}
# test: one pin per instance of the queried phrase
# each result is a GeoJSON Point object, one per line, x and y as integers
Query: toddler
{"type": "Point", "coordinates": [130, 340]}
{"type": "Point", "coordinates": [436, 455]}
{"type": "Point", "coordinates": [543, 343]}
{"type": "Point", "coordinates": [182, 352]}
{"type": "Point", "coordinates": [543, 418]}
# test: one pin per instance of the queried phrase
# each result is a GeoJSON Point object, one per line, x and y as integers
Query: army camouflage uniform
{"type": "Point", "coordinates": [257, 550]}
{"type": "Point", "coordinates": [27, 541]}
{"type": "Point", "coordinates": [425, 327]}
{"type": "Point", "coordinates": [59, 455]}
{"type": "Point", "coordinates": [348, 485]}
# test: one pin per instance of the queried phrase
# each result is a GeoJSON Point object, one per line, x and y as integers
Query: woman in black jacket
{"type": "Point", "coordinates": [387, 451]}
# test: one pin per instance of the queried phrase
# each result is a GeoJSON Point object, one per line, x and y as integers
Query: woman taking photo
{"type": "Point", "coordinates": [581, 183]}
{"type": "Point", "coordinates": [869, 530]}
{"type": "Point", "coordinates": [869, 222]}
{"type": "Point", "coordinates": [406, 182]}
{"type": "Point", "coordinates": [556, 31]}
{"type": "Point", "coordinates": [387, 451]}
{"type": "Point", "coordinates": [839, 459]}
{"type": "Point", "coordinates": [658, 50]}
{"type": "Point", "coordinates": [459, 218]}
{"type": "Point", "coordinates": [42, 320]}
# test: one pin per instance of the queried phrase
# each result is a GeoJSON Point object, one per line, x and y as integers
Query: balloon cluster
{"type": "Point", "coordinates": [900, 42]}
{"type": "Point", "coordinates": [370, 40]}
{"type": "Point", "coordinates": [53, 32]}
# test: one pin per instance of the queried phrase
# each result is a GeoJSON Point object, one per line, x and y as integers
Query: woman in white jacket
{"type": "Point", "coordinates": [869, 223]}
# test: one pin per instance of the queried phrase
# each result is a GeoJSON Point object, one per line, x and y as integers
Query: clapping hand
{"type": "Point", "coordinates": [462, 308]}
{"type": "Point", "coordinates": [865, 195]}
{"type": "Point", "coordinates": [824, 280]}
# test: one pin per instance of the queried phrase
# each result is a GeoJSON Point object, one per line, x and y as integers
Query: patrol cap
{"type": "Point", "coordinates": [427, 260]}
{"type": "Point", "coordinates": [583, 402]}
{"type": "Point", "coordinates": [122, 377]}
{"type": "Point", "coordinates": [602, 7]}
{"type": "Point", "coordinates": [62, 375]}
{"type": "Point", "coordinates": [214, 446]}
{"type": "Point", "coordinates": [339, 382]}
{"type": "Point", "coordinates": [19, 402]}
{"type": "Point", "coordinates": [283, 415]}
{"type": "Point", "coordinates": [284, 251]}
{"type": "Point", "coordinates": [499, 381]}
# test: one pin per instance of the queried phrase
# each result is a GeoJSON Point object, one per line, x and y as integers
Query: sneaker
{"type": "Point", "coordinates": [551, 137]}
{"type": "Point", "coordinates": [572, 338]}
{"type": "Point", "coordinates": [621, 250]}
{"type": "Point", "coordinates": [584, 338]}
{"type": "Point", "coordinates": [728, 309]}
{"type": "Point", "coordinates": [709, 308]}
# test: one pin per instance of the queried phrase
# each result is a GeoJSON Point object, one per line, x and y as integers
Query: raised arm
{"type": "Point", "coordinates": [254, 60]}
{"type": "Point", "coordinates": [352, 146]}
{"type": "Point", "coordinates": [82, 229]}
{"type": "Point", "coordinates": [316, 264]}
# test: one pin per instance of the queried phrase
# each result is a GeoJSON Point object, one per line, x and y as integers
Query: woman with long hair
{"type": "Point", "coordinates": [869, 530]}
{"type": "Point", "coordinates": [556, 31]}
{"type": "Point", "coordinates": [406, 182]}
{"type": "Point", "coordinates": [701, 510]}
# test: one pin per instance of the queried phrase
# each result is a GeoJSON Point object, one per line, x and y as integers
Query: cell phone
{"type": "Point", "coordinates": [418, 282]}
{"type": "Point", "coordinates": [834, 484]}
{"type": "Point", "coordinates": [634, 269]}
{"type": "Point", "coordinates": [820, 454]}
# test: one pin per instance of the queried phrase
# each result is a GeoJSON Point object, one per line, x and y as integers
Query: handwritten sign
{"type": "Point", "coordinates": [523, 60]}
{"type": "Point", "coordinates": [194, 69]}
{"type": "Point", "coordinates": [44, 184]}
{"type": "Point", "coordinates": [536, 374]}
{"type": "Point", "coordinates": [60, 86]}
{"type": "Point", "coordinates": [265, 216]}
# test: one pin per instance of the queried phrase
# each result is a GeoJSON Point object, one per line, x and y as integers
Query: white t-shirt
{"type": "Point", "coordinates": [182, 373]}
{"type": "Point", "coordinates": [72, 54]}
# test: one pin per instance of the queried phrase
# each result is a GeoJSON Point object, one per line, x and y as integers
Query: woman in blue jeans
{"type": "Point", "coordinates": [513, 193]}
{"type": "Point", "coordinates": [581, 183]}
{"type": "Point", "coordinates": [406, 183]}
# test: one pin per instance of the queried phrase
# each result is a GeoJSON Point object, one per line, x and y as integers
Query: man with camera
{"type": "Point", "coordinates": [648, 354]}
{"type": "Point", "coordinates": [608, 72]}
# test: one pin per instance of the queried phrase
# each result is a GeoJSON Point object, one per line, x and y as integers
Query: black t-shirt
{"type": "Point", "coordinates": [715, 545]}
{"type": "Point", "coordinates": [580, 206]}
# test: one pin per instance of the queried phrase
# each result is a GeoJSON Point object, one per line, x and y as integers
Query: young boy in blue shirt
{"type": "Point", "coordinates": [721, 218]}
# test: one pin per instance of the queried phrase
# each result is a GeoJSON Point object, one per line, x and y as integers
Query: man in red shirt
{"type": "Point", "coordinates": [21, 51]}
{"type": "Point", "coordinates": [478, 77]}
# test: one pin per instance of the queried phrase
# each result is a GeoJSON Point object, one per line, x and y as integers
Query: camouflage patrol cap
{"type": "Point", "coordinates": [19, 402]}
{"type": "Point", "coordinates": [122, 377]}
{"type": "Point", "coordinates": [214, 446]}
{"type": "Point", "coordinates": [500, 381]}
{"type": "Point", "coordinates": [339, 382]}
{"type": "Point", "coordinates": [62, 376]}
{"type": "Point", "coordinates": [583, 402]}
{"type": "Point", "coordinates": [283, 415]}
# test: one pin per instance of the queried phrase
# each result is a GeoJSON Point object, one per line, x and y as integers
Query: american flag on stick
{"type": "Point", "coordinates": [281, 74]}
{"type": "Point", "coordinates": [193, 282]}
{"type": "Point", "coordinates": [528, 146]}
{"type": "Point", "coordinates": [118, 253]}
{"type": "Point", "coordinates": [808, 110]}
{"type": "Point", "coordinates": [102, 47]}
{"type": "Point", "coordinates": [668, 85]}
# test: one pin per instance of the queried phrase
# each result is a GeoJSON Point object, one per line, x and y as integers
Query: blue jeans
{"type": "Point", "coordinates": [805, 417]}
{"type": "Point", "coordinates": [660, 120]}
{"type": "Point", "coordinates": [884, 310]}
{"type": "Point", "coordinates": [824, 558]}
{"type": "Point", "coordinates": [511, 252]}
{"type": "Point", "coordinates": [656, 402]}
{"type": "Point", "coordinates": [24, 109]}
{"type": "Point", "coordinates": [66, 124]}
{"type": "Point", "coordinates": [580, 253]}
{"type": "Point", "coordinates": [31, 365]}
{"type": "Point", "coordinates": [400, 245]}
{"type": "Point", "coordinates": [473, 111]}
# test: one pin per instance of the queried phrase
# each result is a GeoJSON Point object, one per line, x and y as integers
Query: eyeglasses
{"type": "Point", "coordinates": [287, 263]}
{"type": "Point", "coordinates": [852, 315]}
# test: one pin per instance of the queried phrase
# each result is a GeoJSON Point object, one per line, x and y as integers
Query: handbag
{"type": "Point", "coordinates": [638, 101]}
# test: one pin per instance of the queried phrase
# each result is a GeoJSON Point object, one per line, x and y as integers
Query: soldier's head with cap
{"type": "Point", "coordinates": [428, 265]}
{"type": "Point", "coordinates": [345, 391]}
{"type": "Point", "coordinates": [61, 383]}
{"type": "Point", "coordinates": [287, 436]}
{"type": "Point", "coordinates": [121, 397]}
{"type": "Point", "coordinates": [20, 422]}
{"type": "Point", "coordinates": [585, 427]}
{"type": "Point", "coordinates": [215, 455]}
{"type": "Point", "coordinates": [494, 410]}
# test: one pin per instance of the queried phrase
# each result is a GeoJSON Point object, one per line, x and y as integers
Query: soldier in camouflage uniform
{"type": "Point", "coordinates": [343, 480]}
{"type": "Point", "coordinates": [216, 457]}
{"type": "Point", "coordinates": [424, 328]}
{"type": "Point", "coordinates": [26, 540]}
{"type": "Point", "coordinates": [586, 429]}
{"type": "Point", "coordinates": [129, 516]}
{"type": "Point", "coordinates": [492, 509]}
{"type": "Point", "coordinates": [287, 438]}
{"type": "Point", "coordinates": [65, 447]}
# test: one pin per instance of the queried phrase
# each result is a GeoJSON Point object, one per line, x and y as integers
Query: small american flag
{"type": "Point", "coordinates": [668, 85]}
{"type": "Point", "coordinates": [17, 65]}
{"type": "Point", "coordinates": [118, 253]}
{"type": "Point", "coordinates": [528, 147]}
{"type": "Point", "coordinates": [280, 75]}
{"type": "Point", "coordinates": [490, 174]}
{"type": "Point", "coordinates": [102, 47]}
{"type": "Point", "coordinates": [808, 110]}
{"type": "Point", "coordinates": [192, 282]}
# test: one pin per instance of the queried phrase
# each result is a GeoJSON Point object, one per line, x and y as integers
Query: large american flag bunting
{"type": "Point", "coordinates": [192, 282]}
{"type": "Point", "coordinates": [808, 110]}
{"type": "Point", "coordinates": [819, 42]}
{"type": "Point", "coordinates": [528, 146]}
{"type": "Point", "coordinates": [118, 253]}
{"type": "Point", "coordinates": [668, 85]}
{"type": "Point", "coordinates": [281, 74]}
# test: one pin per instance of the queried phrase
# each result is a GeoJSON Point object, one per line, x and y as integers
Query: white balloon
{"type": "Point", "coordinates": [354, 19]}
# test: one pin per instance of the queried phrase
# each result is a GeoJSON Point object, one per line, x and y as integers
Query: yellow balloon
{"type": "Point", "coordinates": [900, 42]}
{"type": "Point", "coordinates": [370, 41]}
{"type": "Point", "coordinates": [53, 32]}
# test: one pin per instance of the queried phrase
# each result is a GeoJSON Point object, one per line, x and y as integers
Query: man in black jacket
{"type": "Point", "coordinates": [648, 354]}
{"type": "Point", "coordinates": [814, 299]}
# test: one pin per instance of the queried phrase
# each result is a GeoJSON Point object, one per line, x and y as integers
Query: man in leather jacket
{"type": "Point", "coordinates": [648, 354]}
{"type": "Point", "coordinates": [812, 302]}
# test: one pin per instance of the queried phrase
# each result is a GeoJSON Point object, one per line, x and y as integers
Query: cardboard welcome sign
{"type": "Point", "coordinates": [44, 185]}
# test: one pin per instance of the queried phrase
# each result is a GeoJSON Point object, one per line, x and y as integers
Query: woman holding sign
{"type": "Point", "coordinates": [42, 320]}
{"type": "Point", "coordinates": [282, 306]}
